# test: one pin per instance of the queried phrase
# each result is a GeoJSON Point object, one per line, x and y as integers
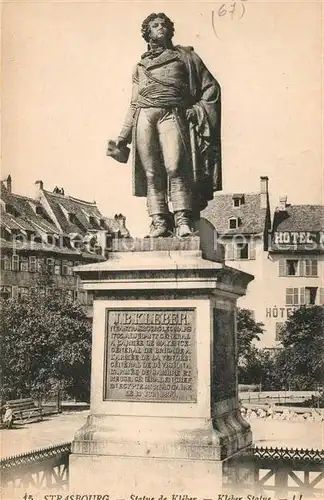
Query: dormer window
{"type": "Point", "coordinates": [39, 210]}
{"type": "Point", "coordinates": [72, 217]}
{"type": "Point", "coordinates": [93, 220]}
{"type": "Point", "coordinates": [238, 200]}
{"type": "Point", "coordinates": [102, 223]}
{"type": "Point", "coordinates": [233, 222]}
{"type": "Point", "coordinates": [10, 209]}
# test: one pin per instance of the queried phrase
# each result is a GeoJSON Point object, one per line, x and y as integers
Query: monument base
{"type": "Point", "coordinates": [164, 407]}
{"type": "Point", "coordinates": [161, 479]}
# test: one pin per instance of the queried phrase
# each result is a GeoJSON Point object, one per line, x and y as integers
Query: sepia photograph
{"type": "Point", "coordinates": [162, 250]}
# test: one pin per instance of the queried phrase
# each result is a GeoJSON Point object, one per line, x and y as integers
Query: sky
{"type": "Point", "coordinates": [66, 83]}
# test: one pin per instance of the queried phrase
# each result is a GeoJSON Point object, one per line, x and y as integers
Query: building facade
{"type": "Point", "coordinates": [284, 253]}
{"type": "Point", "coordinates": [296, 258]}
{"type": "Point", "coordinates": [52, 232]}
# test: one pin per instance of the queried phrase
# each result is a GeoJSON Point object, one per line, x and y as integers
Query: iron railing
{"type": "Point", "coordinates": [277, 472]}
{"type": "Point", "coordinates": [44, 468]}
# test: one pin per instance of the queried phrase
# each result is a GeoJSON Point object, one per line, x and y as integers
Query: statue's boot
{"type": "Point", "coordinates": [182, 223]}
{"type": "Point", "coordinates": [159, 226]}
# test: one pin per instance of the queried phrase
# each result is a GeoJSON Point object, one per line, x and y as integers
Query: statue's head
{"type": "Point", "coordinates": [157, 28]}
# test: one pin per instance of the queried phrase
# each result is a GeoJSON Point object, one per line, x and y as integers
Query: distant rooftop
{"type": "Point", "coordinates": [299, 218]}
{"type": "Point", "coordinates": [251, 211]}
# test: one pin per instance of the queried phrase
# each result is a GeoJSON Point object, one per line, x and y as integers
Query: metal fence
{"type": "Point", "coordinates": [46, 468]}
{"type": "Point", "coordinates": [276, 472]}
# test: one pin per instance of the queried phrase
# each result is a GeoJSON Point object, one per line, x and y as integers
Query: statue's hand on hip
{"type": "Point", "coordinates": [191, 115]}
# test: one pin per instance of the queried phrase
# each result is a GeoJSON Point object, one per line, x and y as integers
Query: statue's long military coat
{"type": "Point", "coordinates": [204, 143]}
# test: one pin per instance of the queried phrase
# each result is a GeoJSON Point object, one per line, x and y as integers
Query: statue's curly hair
{"type": "Point", "coordinates": [146, 25]}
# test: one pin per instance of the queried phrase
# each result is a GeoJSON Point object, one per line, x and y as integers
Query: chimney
{"type": "Point", "coordinates": [264, 180]}
{"type": "Point", "coordinates": [121, 220]}
{"type": "Point", "coordinates": [39, 185]}
{"type": "Point", "coordinates": [8, 184]}
{"type": "Point", "coordinates": [282, 203]}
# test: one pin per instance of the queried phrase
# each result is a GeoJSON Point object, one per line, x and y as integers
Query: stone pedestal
{"type": "Point", "coordinates": [164, 410]}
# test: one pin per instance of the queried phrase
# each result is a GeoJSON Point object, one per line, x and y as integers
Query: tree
{"type": "Point", "coordinates": [300, 363]}
{"type": "Point", "coordinates": [248, 330]}
{"type": "Point", "coordinates": [45, 344]}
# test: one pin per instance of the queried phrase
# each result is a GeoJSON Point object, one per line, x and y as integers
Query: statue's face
{"type": "Point", "coordinates": [158, 30]}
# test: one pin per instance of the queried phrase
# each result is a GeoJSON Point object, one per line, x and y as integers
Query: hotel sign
{"type": "Point", "coordinates": [308, 240]}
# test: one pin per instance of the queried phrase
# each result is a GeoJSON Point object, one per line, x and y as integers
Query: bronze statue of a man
{"type": "Point", "coordinates": [174, 125]}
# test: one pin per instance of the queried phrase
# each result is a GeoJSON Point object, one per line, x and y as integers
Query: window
{"type": "Point", "coordinates": [89, 298]}
{"type": "Point", "coordinates": [292, 296]}
{"type": "Point", "coordinates": [50, 265]}
{"type": "Point", "coordinates": [24, 264]}
{"type": "Point", "coordinates": [64, 267]}
{"type": "Point", "coordinates": [32, 264]}
{"type": "Point", "coordinates": [240, 251]}
{"type": "Point", "coordinates": [6, 263]}
{"type": "Point", "coordinates": [70, 268]}
{"type": "Point", "coordinates": [5, 292]}
{"type": "Point", "coordinates": [279, 328]}
{"type": "Point", "coordinates": [22, 291]}
{"type": "Point", "coordinates": [308, 295]}
{"type": "Point", "coordinates": [298, 267]}
{"type": "Point", "coordinates": [15, 262]}
{"type": "Point", "coordinates": [40, 265]}
{"type": "Point", "coordinates": [82, 297]}
{"type": "Point", "coordinates": [310, 267]}
{"type": "Point", "coordinates": [233, 223]}
{"type": "Point", "coordinates": [291, 267]}
{"type": "Point", "coordinates": [238, 200]}
{"type": "Point", "coordinates": [72, 218]}
{"type": "Point", "coordinates": [57, 267]}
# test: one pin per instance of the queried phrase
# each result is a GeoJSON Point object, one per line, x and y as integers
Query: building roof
{"type": "Point", "coordinates": [252, 217]}
{"type": "Point", "coordinates": [33, 246]}
{"type": "Point", "coordinates": [24, 216]}
{"type": "Point", "coordinates": [299, 218]}
{"type": "Point", "coordinates": [78, 216]}
{"type": "Point", "coordinates": [55, 217]}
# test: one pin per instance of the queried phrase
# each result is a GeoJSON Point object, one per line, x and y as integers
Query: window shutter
{"type": "Point", "coordinates": [252, 249]}
{"type": "Point", "coordinates": [282, 267]}
{"type": "Point", "coordinates": [302, 267]}
{"type": "Point", "coordinates": [302, 297]}
{"type": "Point", "coordinates": [321, 297]}
{"type": "Point", "coordinates": [289, 296]}
{"type": "Point", "coordinates": [314, 268]}
{"type": "Point", "coordinates": [14, 291]}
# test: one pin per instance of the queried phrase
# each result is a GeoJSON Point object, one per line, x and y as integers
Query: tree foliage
{"type": "Point", "coordinates": [248, 330]}
{"type": "Point", "coordinates": [300, 362]}
{"type": "Point", "coordinates": [45, 344]}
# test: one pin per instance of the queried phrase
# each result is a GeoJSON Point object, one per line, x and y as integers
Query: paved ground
{"type": "Point", "coordinates": [59, 429]}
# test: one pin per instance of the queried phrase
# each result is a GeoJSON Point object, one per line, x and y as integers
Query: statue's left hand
{"type": "Point", "coordinates": [191, 115]}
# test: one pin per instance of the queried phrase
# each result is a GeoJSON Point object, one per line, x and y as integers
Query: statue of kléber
{"type": "Point", "coordinates": [173, 123]}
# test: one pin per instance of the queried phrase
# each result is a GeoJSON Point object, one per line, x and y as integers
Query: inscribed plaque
{"type": "Point", "coordinates": [150, 355]}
